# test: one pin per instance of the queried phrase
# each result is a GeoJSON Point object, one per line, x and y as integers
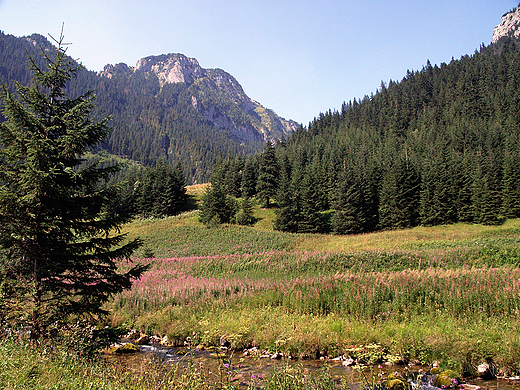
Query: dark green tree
{"type": "Point", "coordinates": [350, 216]}
{"type": "Point", "coordinates": [287, 199]}
{"type": "Point", "coordinates": [484, 206]}
{"type": "Point", "coordinates": [161, 191]}
{"type": "Point", "coordinates": [56, 238]}
{"type": "Point", "coordinates": [310, 219]}
{"type": "Point", "coordinates": [245, 215]}
{"type": "Point", "coordinates": [216, 207]}
{"type": "Point", "coordinates": [511, 184]}
{"type": "Point", "coordinates": [267, 183]}
{"type": "Point", "coordinates": [249, 175]}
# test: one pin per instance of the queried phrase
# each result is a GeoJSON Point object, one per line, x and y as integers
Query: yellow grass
{"type": "Point", "coordinates": [401, 239]}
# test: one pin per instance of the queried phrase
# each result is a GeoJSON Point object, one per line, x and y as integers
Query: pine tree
{"type": "Point", "coordinates": [217, 207]}
{"type": "Point", "coordinates": [248, 184]}
{"type": "Point", "coordinates": [350, 216]}
{"type": "Point", "coordinates": [267, 175]}
{"type": "Point", "coordinates": [511, 184]}
{"type": "Point", "coordinates": [310, 218]}
{"type": "Point", "coordinates": [287, 199]}
{"type": "Point", "coordinates": [245, 215]}
{"type": "Point", "coordinates": [55, 234]}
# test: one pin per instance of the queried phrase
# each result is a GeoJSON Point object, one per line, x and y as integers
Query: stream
{"type": "Point", "coordinates": [244, 369]}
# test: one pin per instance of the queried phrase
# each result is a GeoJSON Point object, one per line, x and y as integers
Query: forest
{"type": "Point", "coordinates": [149, 122]}
{"type": "Point", "coordinates": [438, 147]}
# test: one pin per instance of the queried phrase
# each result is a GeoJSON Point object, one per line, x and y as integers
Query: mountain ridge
{"type": "Point", "coordinates": [167, 107]}
{"type": "Point", "coordinates": [175, 68]}
{"type": "Point", "coordinates": [510, 26]}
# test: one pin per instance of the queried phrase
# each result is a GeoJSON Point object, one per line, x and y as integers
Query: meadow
{"type": "Point", "coordinates": [449, 294]}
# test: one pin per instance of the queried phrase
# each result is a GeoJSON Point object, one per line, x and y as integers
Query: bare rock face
{"type": "Point", "coordinates": [110, 70]}
{"type": "Point", "coordinates": [218, 96]}
{"type": "Point", "coordinates": [171, 68]}
{"type": "Point", "coordinates": [215, 94]}
{"type": "Point", "coordinates": [510, 26]}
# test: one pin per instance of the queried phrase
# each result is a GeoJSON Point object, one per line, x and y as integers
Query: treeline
{"type": "Point", "coordinates": [154, 192]}
{"type": "Point", "coordinates": [146, 192]}
{"type": "Point", "coordinates": [149, 123]}
{"type": "Point", "coordinates": [439, 147]}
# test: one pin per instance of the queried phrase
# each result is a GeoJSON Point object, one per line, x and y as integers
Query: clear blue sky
{"type": "Point", "coordinates": [298, 58]}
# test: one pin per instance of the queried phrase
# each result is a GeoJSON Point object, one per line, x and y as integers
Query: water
{"type": "Point", "coordinates": [216, 365]}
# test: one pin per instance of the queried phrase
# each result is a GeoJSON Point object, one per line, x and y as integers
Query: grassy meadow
{"type": "Point", "coordinates": [449, 294]}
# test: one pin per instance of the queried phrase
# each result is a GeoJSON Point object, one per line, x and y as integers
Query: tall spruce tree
{"type": "Point", "coordinates": [57, 239]}
{"type": "Point", "coordinates": [267, 183]}
{"type": "Point", "coordinates": [310, 218]}
{"type": "Point", "coordinates": [350, 216]}
{"type": "Point", "coordinates": [288, 199]}
{"type": "Point", "coordinates": [249, 174]}
{"type": "Point", "coordinates": [217, 207]}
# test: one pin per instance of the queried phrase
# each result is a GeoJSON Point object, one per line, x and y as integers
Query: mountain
{"type": "Point", "coordinates": [215, 94]}
{"type": "Point", "coordinates": [510, 26]}
{"type": "Point", "coordinates": [166, 107]}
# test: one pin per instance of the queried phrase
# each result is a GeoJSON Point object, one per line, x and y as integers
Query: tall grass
{"type": "Point", "coordinates": [26, 367]}
{"type": "Point", "coordinates": [448, 293]}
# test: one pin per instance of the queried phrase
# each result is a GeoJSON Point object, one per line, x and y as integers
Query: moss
{"type": "Point", "coordinates": [396, 382]}
{"type": "Point", "coordinates": [447, 379]}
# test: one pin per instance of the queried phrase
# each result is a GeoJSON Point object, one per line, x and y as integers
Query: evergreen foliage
{"type": "Point", "coordinates": [151, 122]}
{"type": "Point", "coordinates": [161, 191]}
{"type": "Point", "coordinates": [436, 148]}
{"type": "Point", "coordinates": [59, 252]}
{"type": "Point", "coordinates": [267, 182]}
{"type": "Point", "coordinates": [217, 207]}
{"type": "Point", "coordinates": [245, 216]}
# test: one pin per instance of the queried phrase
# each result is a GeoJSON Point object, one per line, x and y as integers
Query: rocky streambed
{"type": "Point", "coordinates": [256, 365]}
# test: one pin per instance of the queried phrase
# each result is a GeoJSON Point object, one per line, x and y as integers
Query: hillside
{"type": "Point", "coordinates": [166, 107]}
{"type": "Point", "coordinates": [438, 147]}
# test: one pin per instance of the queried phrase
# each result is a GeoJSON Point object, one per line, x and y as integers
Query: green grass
{"type": "Point", "coordinates": [446, 293]}
{"type": "Point", "coordinates": [26, 367]}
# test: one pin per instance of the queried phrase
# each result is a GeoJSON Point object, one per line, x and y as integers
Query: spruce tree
{"type": "Point", "coordinates": [310, 218]}
{"type": "Point", "coordinates": [57, 238]}
{"type": "Point", "coordinates": [245, 215]}
{"type": "Point", "coordinates": [287, 199]}
{"type": "Point", "coordinates": [511, 183]}
{"type": "Point", "coordinates": [249, 174]}
{"type": "Point", "coordinates": [267, 183]}
{"type": "Point", "coordinates": [350, 216]}
{"type": "Point", "coordinates": [217, 207]}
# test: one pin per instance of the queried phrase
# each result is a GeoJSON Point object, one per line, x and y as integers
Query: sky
{"type": "Point", "coordinates": [299, 58]}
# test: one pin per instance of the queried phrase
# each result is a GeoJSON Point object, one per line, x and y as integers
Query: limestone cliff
{"type": "Point", "coordinates": [215, 94]}
{"type": "Point", "coordinates": [510, 26]}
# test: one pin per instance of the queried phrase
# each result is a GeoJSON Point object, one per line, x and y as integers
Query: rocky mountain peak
{"type": "Point", "coordinates": [110, 70]}
{"type": "Point", "coordinates": [214, 93]}
{"type": "Point", "coordinates": [171, 68]}
{"type": "Point", "coordinates": [510, 26]}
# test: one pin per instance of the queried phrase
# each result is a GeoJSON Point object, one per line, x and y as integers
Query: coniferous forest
{"type": "Point", "coordinates": [438, 147]}
{"type": "Point", "coordinates": [149, 122]}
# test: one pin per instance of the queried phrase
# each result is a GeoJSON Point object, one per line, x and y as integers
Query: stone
{"type": "Point", "coordinates": [276, 356]}
{"type": "Point", "coordinates": [223, 342]}
{"type": "Point", "coordinates": [132, 335]}
{"type": "Point", "coordinates": [348, 362]}
{"type": "Point", "coordinates": [447, 379]}
{"type": "Point", "coordinates": [471, 387]}
{"type": "Point", "coordinates": [164, 342]}
{"type": "Point", "coordinates": [485, 371]}
{"type": "Point", "coordinates": [510, 26]}
{"type": "Point", "coordinates": [143, 340]}
{"type": "Point", "coordinates": [122, 348]}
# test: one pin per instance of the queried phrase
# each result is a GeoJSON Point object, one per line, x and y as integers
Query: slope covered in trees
{"type": "Point", "coordinates": [438, 147]}
{"type": "Point", "coordinates": [191, 121]}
